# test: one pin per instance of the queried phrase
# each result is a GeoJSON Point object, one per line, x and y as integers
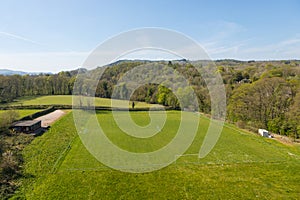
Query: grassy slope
{"type": "Point", "coordinates": [64, 100]}
{"type": "Point", "coordinates": [241, 165]}
{"type": "Point", "coordinates": [23, 113]}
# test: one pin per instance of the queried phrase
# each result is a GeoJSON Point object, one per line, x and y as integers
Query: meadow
{"type": "Point", "coordinates": [241, 166]}
{"type": "Point", "coordinates": [67, 100]}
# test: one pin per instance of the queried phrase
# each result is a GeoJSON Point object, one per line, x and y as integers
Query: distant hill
{"type": "Point", "coordinates": [8, 72]}
{"type": "Point", "coordinates": [11, 72]}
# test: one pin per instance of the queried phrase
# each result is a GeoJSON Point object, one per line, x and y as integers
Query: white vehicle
{"type": "Point", "coordinates": [263, 132]}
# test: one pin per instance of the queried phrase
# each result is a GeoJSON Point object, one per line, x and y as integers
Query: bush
{"type": "Point", "coordinates": [275, 125]}
{"type": "Point", "coordinates": [6, 118]}
{"type": "Point", "coordinates": [11, 161]}
{"type": "Point", "coordinates": [9, 165]}
{"type": "Point", "coordinates": [241, 124]}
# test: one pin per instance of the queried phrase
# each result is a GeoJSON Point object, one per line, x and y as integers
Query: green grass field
{"type": "Point", "coordinates": [66, 100]}
{"type": "Point", "coordinates": [241, 166]}
{"type": "Point", "coordinates": [24, 112]}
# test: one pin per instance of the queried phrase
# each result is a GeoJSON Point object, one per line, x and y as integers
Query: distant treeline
{"type": "Point", "coordinates": [12, 87]}
{"type": "Point", "coordinates": [264, 94]}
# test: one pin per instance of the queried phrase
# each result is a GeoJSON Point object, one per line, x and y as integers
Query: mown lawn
{"type": "Point", "coordinates": [241, 166]}
{"type": "Point", "coordinates": [67, 100]}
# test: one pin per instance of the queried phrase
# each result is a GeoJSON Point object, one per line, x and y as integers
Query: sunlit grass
{"type": "Point", "coordinates": [67, 100]}
{"type": "Point", "coordinates": [24, 112]}
{"type": "Point", "coordinates": [241, 166]}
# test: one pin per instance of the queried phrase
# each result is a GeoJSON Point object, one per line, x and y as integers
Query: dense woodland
{"type": "Point", "coordinates": [260, 94]}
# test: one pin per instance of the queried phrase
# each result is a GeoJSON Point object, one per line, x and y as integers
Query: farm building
{"type": "Point", "coordinates": [263, 132]}
{"type": "Point", "coordinates": [28, 126]}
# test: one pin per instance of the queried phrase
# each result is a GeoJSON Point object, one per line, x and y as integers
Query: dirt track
{"type": "Point", "coordinates": [50, 118]}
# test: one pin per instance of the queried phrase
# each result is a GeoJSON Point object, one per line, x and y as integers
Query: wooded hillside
{"type": "Point", "coordinates": [260, 94]}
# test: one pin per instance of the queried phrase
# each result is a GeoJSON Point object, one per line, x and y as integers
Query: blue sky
{"type": "Point", "coordinates": [59, 35]}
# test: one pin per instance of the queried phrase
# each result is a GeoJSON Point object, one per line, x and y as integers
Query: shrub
{"type": "Point", "coordinates": [240, 124]}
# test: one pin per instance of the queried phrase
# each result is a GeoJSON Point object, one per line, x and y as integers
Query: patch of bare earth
{"type": "Point", "coordinates": [284, 139]}
{"type": "Point", "coordinates": [50, 118]}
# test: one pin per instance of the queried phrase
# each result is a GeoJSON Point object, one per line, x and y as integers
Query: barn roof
{"type": "Point", "coordinates": [26, 123]}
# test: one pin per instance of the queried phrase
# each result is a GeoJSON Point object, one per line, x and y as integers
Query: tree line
{"type": "Point", "coordinates": [12, 87]}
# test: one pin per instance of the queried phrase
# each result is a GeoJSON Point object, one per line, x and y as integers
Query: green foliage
{"type": "Point", "coordinates": [162, 95]}
{"type": "Point", "coordinates": [273, 73]}
{"type": "Point", "coordinates": [18, 86]}
{"type": "Point", "coordinates": [275, 125]}
{"type": "Point", "coordinates": [11, 161]}
{"type": "Point", "coordinates": [237, 105]}
{"type": "Point", "coordinates": [166, 97]}
{"type": "Point", "coordinates": [238, 77]}
{"type": "Point", "coordinates": [7, 117]}
{"type": "Point", "coordinates": [264, 102]}
{"type": "Point", "coordinates": [293, 118]}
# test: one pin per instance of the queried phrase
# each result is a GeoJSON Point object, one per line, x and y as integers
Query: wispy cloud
{"type": "Point", "coordinates": [224, 41]}
{"type": "Point", "coordinates": [228, 42]}
{"type": "Point", "coordinates": [229, 48]}
{"type": "Point", "coordinates": [221, 31]}
{"type": "Point", "coordinates": [227, 29]}
{"type": "Point", "coordinates": [18, 37]}
{"type": "Point", "coordinates": [290, 41]}
{"type": "Point", "coordinates": [285, 49]}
